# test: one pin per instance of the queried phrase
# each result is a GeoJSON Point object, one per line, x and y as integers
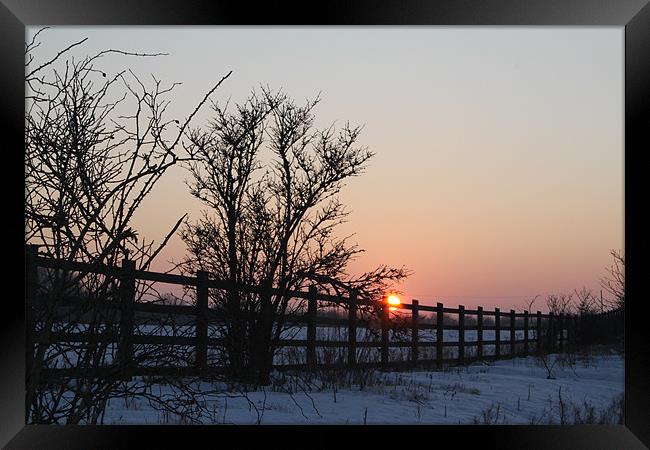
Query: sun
{"type": "Point", "coordinates": [393, 300]}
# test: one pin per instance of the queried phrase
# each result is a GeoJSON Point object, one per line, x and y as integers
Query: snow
{"type": "Point", "coordinates": [517, 388]}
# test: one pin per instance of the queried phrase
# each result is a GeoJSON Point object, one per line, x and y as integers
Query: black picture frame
{"type": "Point", "coordinates": [633, 15]}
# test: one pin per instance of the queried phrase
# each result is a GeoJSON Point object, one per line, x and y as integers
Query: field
{"type": "Point", "coordinates": [583, 388]}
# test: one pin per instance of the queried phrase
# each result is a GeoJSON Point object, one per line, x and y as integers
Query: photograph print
{"type": "Point", "coordinates": [330, 225]}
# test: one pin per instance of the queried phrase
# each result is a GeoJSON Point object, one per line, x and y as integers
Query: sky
{"type": "Point", "coordinates": [498, 172]}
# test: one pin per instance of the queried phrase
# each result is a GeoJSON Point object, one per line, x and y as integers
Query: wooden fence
{"type": "Point", "coordinates": [541, 332]}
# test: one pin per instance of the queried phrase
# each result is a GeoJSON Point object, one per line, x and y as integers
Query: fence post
{"type": "Point", "coordinates": [31, 288]}
{"type": "Point", "coordinates": [497, 333]}
{"type": "Point", "coordinates": [385, 327]}
{"type": "Point", "coordinates": [561, 327]}
{"type": "Point", "coordinates": [479, 333]}
{"type": "Point", "coordinates": [513, 335]}
{"type": "Point", "coordinates": [525, 333]}
{"type": "Point", "coordinates": [538, 332]}
{"type": "Point", "coordinates": [352, 330]}
{"type": "Point", "coordinates": [439, 333]}
{"type": "Point", "coordinates": [414, 331]}
{"type": "Point", "coordinates": [127, 299]}
{"type": "Point", "coordinates": [312, 306]}
{"type": "Point", "coordinates": [461, 333]}
{"type": "Point", "coordinates": [551, 332]}
{"type": "Point", "coordinates": [201, 330]}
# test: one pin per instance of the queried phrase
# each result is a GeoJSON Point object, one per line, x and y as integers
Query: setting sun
{"type": "Point", "coordinates": [393, 300]}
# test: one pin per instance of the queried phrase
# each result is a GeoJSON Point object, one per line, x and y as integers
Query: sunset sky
{"type": "Point", "coordinates": [498, 172]}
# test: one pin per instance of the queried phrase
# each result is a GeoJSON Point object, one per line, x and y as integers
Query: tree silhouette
{"type": "Point", "coordinates": [270, 180]}
{"type": "Point", "coordinates": [614, 281]}
{"type": "Point", "coordinates": [96, 144]}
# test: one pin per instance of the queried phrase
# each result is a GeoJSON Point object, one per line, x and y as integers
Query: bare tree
{"type": "Point", "coordinates": [559, 303]}
{"type": "Point", "coordinates": [614, 281]}
{"type": "Point", "coordinates": [585, 302]}
{"type": "Point", "coordinates": [97, 141]}
{"type": "Point", "coordinates": [270, 180]}
{"type": "Point", "coordinates": [530, 303]}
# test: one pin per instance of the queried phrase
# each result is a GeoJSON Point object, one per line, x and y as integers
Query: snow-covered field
{"type": "Point", "coordinates": [514, 391]}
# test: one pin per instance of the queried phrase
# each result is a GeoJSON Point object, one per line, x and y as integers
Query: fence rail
{"type": "Point", "coordinates": [540, 331]}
